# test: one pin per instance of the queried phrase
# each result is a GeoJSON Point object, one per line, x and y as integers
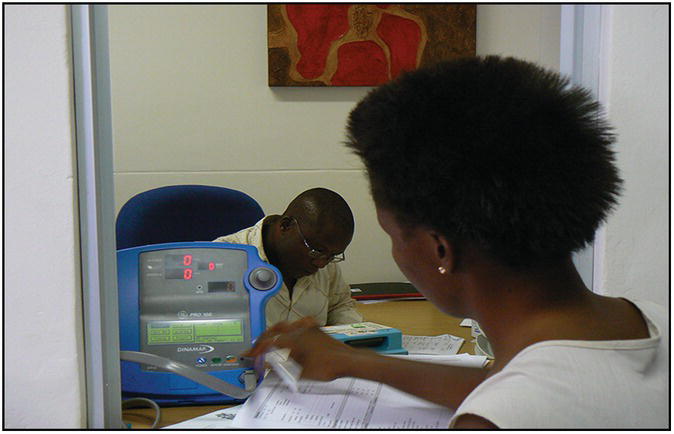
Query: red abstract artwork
{"type": "Point", "coordinates": [363, 45]}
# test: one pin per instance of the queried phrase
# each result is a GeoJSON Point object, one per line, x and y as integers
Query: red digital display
{"type": "Point", "coordinates": [183, 266]}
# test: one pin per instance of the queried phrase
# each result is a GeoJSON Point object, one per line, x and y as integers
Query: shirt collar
{"type": "Point", "coordinates": [256, 239]}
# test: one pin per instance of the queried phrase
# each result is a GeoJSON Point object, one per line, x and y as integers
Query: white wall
{"type": "Point", "coordinates": [44, 385]}
{"type": "Point", "coordinates": [636, 262]}
{"type": "Point", "coordinates": [530, 32]}
{"type": "Point", "coordinates": [191, 104]}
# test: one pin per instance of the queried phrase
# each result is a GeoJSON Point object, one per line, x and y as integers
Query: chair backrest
{"type": "Point", "coordinates": [184, 213]}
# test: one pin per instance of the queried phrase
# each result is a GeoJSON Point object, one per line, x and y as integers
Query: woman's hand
{"type": "Point", "coordinates": [322, 357]}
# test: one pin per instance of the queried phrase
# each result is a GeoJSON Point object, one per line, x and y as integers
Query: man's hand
{"type": "Point", "coordinates": [322, 357]}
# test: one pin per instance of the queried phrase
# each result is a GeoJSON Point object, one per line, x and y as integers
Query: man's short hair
{"type": "Point", "coordinates": [322, 207]}
{"type": "Point", "coordinates": [492, 151]}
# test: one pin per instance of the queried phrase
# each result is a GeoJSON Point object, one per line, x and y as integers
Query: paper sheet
{"type": "Point", "coordinates": [216, 420]}
{"type": "Point", "coordinates": [384, 300]}
{"type": "Point", "coordinates": [355, 329]}
{"type": "Point", "coordinates": [464, 360]}
{"type": "Point", "coordinates": [442, 344]}
{"type": "Point", "coordinates": [345, 403]}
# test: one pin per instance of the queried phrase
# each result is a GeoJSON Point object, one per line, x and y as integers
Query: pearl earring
{"type": "Point", "coordinates": [442, 270]}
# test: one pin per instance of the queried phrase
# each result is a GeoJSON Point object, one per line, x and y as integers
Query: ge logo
{"type": "Point", "coordinates": [201, 361]}
{"type": "Point", "coordinates": [183, 314]}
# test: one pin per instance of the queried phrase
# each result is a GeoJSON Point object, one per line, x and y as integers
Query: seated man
{"type": "Point", "coordinates": [305, 244]}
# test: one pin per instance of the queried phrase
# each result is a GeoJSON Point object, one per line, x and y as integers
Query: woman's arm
{"type": "Point", "coordinates": [324, 358]}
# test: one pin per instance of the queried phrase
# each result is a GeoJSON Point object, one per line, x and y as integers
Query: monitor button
{"type": "Point", "coordinates": [262, 279]}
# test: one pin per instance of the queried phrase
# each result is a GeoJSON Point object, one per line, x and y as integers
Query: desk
{"type": "Point", "coordinates": [412, 317]}
{"type": "Point", "coordinates": [417, 318]}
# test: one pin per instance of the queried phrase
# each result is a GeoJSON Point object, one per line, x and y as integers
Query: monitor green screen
{"type": "Point", "coordinates": [194, 332]}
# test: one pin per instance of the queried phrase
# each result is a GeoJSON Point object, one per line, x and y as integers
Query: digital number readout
{"type": "Point", "coordinates": [183, 266]}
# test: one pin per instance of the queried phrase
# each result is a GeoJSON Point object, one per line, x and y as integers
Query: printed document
{"type": "Point", "coordinates": [464, 360]}
{"type": "Point", "coordinates": [443, 344]}
{"type": "Point", "coordinates": [218, 419]}
{"type": "Point", "coordinates": [345, 403]}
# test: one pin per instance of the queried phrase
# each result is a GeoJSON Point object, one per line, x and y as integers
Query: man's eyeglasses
{"type": "Point", "coordinates": [315, 253]}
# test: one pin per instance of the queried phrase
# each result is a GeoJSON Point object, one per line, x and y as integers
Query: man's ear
{"type": "Point", "coordinates": [285, 223]}
{"type": "Point", "coordinates": [445, 253]}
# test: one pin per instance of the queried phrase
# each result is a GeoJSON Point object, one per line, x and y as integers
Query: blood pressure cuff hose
{"type": "Point", "coordinates": [187, 372]}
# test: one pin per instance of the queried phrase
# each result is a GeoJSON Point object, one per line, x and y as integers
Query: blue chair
{"type": "Point", "coordinates": [184, 213]}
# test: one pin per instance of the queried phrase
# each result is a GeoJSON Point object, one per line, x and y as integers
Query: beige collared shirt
{"type": "Point", "coordinates": [323, 295]}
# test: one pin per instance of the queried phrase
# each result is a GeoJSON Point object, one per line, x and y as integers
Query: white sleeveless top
{"type": "Point", "coordinates": [567, 384]}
